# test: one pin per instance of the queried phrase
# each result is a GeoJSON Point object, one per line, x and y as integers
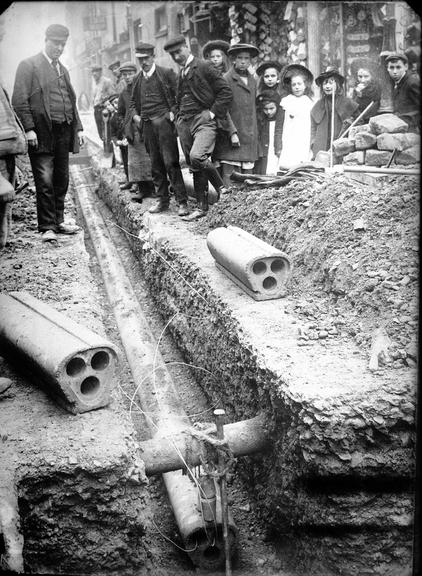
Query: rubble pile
{"type": "Point", "coordinates": [373, 144]}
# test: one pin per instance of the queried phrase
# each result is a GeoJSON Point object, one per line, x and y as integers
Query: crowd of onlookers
{"type": "Point", "coordinates": [226, 115]}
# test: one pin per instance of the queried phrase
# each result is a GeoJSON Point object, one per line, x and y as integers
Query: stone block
{"type": "Point", "coordinates": [358, 130]}
{"type": "Point", "coordinates": [399, 141]}
{"type": "Point", "coordinates": [411, 155]}
{"type": "Point", "coordinates": [365, 140]}
{"type": "Point", "coordinates": [377, 157]}
{"type": "Point", "coordinates": [343, 146]}
{"type": "Point", "coordinates": [389, 123]}
{"type": "Point", "coordinates": [354, 158]}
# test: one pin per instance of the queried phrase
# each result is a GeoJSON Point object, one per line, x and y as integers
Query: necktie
{"type": "Point", "coordinates": [55, 64]}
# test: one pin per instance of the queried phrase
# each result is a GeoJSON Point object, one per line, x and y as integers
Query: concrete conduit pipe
{"type": "Point", "coordinates": [156, 391]}
{"type": "Point", "coordinates": [72, 363]}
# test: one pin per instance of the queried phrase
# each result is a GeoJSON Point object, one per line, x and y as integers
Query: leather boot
{"type": "Point", "coordinates": [200, 183]}
{"type": "Point", "coordinates": [161, 205]}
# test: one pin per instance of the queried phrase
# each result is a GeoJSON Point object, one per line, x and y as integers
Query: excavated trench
{"type": "Point", "coordinates": [332, 494]}
{"type": "Point", "coordinates": [336, 489]}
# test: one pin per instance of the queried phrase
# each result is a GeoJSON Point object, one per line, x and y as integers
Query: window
{"type": "Point", "coordinates": [161, 26]}
{"type": "Point", "coordinates": [137, 31]}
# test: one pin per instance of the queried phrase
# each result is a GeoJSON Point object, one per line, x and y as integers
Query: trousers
{"type": "Point", "coordinates": [161, 144]}
{"type": "Point", "coordinates": [51, 178]}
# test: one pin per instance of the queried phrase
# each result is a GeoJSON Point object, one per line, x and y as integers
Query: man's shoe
{"type": "Point", "coordinates": [125, 186]}
{"type": "Point", "coordinates": [67, 228]}
{"type": "Point", "coordinates": [195, 215]}
{"type": "Point", "coordinates": [159, 206]}
{"type": "Point", "coordinates": [138, 198]}
{"type": "Point", "coordinates": [183, 209]}
{"type": "Point", "coordinates": [49, 236]}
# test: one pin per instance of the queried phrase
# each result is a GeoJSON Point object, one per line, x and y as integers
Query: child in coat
{"type": "Point", "coordinates": [296, 116]}
{"type": "Point", "coordinates": [367, 88]}
{"type": "Point", "coordinates": [345, 110]}
{"type": "Point", "coordinates": [269, 134]}
{"type": "Point", "coordinates": [269, 80]}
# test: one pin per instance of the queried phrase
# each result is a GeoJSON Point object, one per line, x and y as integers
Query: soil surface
{"type": "Point", "coordinates": [354, 250]}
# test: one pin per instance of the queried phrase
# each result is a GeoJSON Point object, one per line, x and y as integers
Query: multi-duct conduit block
{"type": "Point", "coordinates": [72, 363]}
{"type": "Point", "coordinates": [257, 267]}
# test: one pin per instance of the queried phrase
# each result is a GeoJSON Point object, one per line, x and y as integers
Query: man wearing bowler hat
{"type": "Point", "coordinates": [45, 102]}
{"type": "Point", "coordinates": [406, 90]}
{"type": "Point", "coordinates": [203, 96]}
{"type": "Point", "coordinates": [154, 102]}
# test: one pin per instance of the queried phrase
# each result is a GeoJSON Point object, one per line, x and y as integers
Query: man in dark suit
{"type": "Point", "coordinates": [203, 96]}
{"type": "Point", "coordinates": [406, 90]}
{"type": "Point", "coordinates": [45, 102]}
{"type": "Point", "coordinates": [154, 103]}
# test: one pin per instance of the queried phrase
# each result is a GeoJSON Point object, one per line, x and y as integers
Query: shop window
{"type": "Point", "coordinates": [137, 31]}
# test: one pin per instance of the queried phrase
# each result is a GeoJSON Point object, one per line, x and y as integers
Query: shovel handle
{"type": "Point", "coordinates": [357, 119]}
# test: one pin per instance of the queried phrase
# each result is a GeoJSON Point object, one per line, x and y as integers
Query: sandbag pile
{"type": "Point", "coordinates": [372, 144]}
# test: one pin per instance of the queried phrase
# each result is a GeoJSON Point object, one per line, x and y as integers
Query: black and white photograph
{"type": "Point", "coordinates": [209, 288]}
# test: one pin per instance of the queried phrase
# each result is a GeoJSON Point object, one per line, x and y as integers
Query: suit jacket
{"type": "Point", "coordinates": [167, 79]}
{"type": "Point", "coordinates": [406, 99]}
{"type": "Point", "coordinates": [208, 86]}
{"type": "Point", "coordinates": [32, 102]}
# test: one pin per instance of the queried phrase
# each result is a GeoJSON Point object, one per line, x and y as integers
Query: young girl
{"type": "Point", "coordinates": [269, 134]}
{"type": "Point", "coordinates": [345, 110]}
{"type": "Point", "coordinates": [269, 80]}
{"type": "Point", "coordinates": [296, 116]}
{"type": "Point", "coordinates": [367, 89]}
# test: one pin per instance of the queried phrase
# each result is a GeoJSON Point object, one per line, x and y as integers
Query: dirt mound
{"type": "Point", "coordinates": [354, 249]}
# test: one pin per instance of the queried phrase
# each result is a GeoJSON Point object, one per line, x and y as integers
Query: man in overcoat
{"type": "Point", "coordinates": [45, 102]}
{"type": "Point", "coordinates": [203, 96]}
{"type": "Point", "coordinates": [154, 102]}
{"type": "Point", "coordinates": [242, 111]}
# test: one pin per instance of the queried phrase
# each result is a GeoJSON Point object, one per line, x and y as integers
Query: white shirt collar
{"type": "Point", "coordinates": [188, 61]}
{"type": "Point", "coordinates": [150, 73]}
{"type": "Point", "coordinates": [48, 57]}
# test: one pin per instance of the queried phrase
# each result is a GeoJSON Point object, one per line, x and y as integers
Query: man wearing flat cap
{"type": "Point", "coordinates": [405, 90]}
{"type": "Point", "coordinates": [154, 103]}
{"type": "Point", "coordinates": [203, 96]}
{"type": "Point", "coordinates": [242, 111]}
{"type": "Point", "coordinates": [45, 102]}
{"type": "Point", "coordinates": [119, 83]}
{"type": "Point", "coordinates": [102, 87]}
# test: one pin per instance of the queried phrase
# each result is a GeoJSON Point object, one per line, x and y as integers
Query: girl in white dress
{"type": "Point", "coordinates": [297, 106]}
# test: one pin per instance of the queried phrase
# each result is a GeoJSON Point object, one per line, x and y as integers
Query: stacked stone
{"type": "Point", "coordinates": [373, 144]}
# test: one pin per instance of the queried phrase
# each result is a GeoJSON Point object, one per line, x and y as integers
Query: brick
{"type": "Point", "coordinates": [354, 158]}
{"type": "Point", "coordinates": [377, 157]}
{"type": "Point", "coordinates": [365, 140]}
{"type": "Point", "coordinates": [343, 146]}
{"type": "Point", "coordinates": [389, 123]}
{"type": "Point", "coordinates": [399, 141]}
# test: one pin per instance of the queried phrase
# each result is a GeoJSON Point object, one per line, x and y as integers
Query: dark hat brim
{"type": "Point", "coordinates": [269, 64]}
{"type": "Point", "coordinates": [215, 45]}
{"type": "Point", "coordinates": [293, 69]}
{"type": "Point", "coordinates": [396, 56]}
{"type": "Point", "coordinates": [253, 50]}
{"type": "Point", "coordinates": [114, 65]}
{"type": "Point", "coordinates": [174, 43]}
{"type": "Point", "coordinates": [331, 74]}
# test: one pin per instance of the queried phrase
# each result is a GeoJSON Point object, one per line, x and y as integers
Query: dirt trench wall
{"type": "Point", "coordinates": [342, 457]}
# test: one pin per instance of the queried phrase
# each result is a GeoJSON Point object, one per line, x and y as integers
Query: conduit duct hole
{"type": "Point", "coordinates": [269, 283]}
{"type": "Point", "coordinates": [277, 265]}
{"type": "Point", "coordinates": [259, 267]}
{"type": "Point", "coordinates": [100, 360]}
{"type": "Point", "coordinates": [75, 366]}
{"type": "Point", "coordinates": [90, 386]}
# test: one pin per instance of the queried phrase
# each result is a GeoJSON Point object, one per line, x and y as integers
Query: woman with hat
{"type": "Point", "coordinates": [331, 84]}
{"type": "Point", "coordinates": [242, 111]}
{"type": "Point", "coordinates": [296, 116]}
